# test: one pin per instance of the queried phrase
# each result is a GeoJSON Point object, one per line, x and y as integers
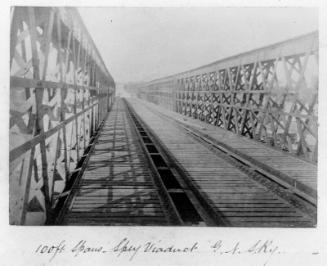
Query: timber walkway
{"type": "Point", "coordinates": [150, 166]}
{"type": "Point", "coordinates": [116, 187]}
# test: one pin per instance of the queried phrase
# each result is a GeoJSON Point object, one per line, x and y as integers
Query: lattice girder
{"type": "Point", "coordinates": [269, 94]}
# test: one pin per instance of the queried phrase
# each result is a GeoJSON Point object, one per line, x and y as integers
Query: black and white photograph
{"type": "Point", "coordinates": [229, 143]}
{"type": "Point", "coordinates": [163, 117]}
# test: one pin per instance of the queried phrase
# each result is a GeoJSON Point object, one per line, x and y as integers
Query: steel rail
{"type": "Point", "coordinates": [294, 192]}
{"type": "Point", "coordinates": [185, 201]}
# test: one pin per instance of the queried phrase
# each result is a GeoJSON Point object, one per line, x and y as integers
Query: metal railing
{"type": "Point", "coordinates": [60, 91]}
{"type": "Point", "coordinates": [268, 94]}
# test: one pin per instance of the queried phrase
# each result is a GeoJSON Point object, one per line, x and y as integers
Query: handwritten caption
{"type": "Point", "coordinates": [126, 247]}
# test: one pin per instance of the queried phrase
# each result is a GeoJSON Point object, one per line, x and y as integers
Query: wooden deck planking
{"type": "Point", "coordinates": [279, 161]}
{"type": "Point", "coordinates": [116, 187]}
{"type": "Point", "coordinates": [209, 175]}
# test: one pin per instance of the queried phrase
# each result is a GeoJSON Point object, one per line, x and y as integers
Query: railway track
{"type": "Point", "coordinates": [138, 175]}
{"type": "Point", "coordinates": [243, 195]}
{"type": "Point", "coordinates": [117, 185]}
{"type": "Point", "coordinates": [127, 181]}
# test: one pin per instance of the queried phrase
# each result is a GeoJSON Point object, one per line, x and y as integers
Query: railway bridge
{"type": "Point", "coordinates": [231, 143]}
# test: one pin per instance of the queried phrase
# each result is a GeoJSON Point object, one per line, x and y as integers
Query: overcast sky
{"type": "Point", "coordinates": [141, 44]}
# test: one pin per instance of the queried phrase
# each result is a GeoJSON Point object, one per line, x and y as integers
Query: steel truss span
{"type": "Point", "coordinates": [231, 143]}
{"type": "Point", "coordinates": [60, 91]}
{"type": "Point", "coordinates": [268, 94]}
